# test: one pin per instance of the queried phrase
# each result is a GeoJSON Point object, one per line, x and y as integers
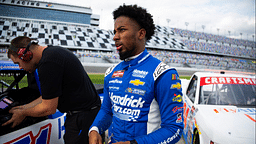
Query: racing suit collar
{"type": "Point", "coordinates": [134, 60]}
{"type": "Point", "coordinates": [133, 57]}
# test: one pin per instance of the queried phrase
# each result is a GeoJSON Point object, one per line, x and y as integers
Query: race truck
{"type": "Point", "coordinates": [219, 108]}
{"type": "Point", "coordinates": [18, 88]}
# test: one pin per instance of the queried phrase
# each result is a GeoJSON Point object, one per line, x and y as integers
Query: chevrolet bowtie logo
{"type": "Point", "coordinates": [177, 86]}
{"type": "Point", "coordinates": [137, 82]}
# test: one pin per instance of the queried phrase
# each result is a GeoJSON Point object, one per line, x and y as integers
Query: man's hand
{"type": "Point", "coordinates": [95, 138]}
{"type": "Point", "coordinates": [17, 116]}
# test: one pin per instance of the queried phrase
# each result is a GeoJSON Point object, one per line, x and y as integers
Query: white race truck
{"type": "Point", "coordinates": [219, 108]}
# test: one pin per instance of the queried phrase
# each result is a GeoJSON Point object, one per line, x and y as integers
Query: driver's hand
{"type": "Point", "coordinates": [95, 138]}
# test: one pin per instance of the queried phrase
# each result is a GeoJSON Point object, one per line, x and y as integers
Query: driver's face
{"type": "Point", "coordinates": [27, 66]}
{"type": "Point", "coordinates": [126, 37]}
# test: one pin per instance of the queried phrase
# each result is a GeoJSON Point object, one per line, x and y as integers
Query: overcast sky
{"type": "Point", "coordinates": [236, 16]}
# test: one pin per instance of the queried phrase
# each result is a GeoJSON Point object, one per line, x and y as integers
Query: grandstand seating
{"type": "Point", "coordinates": [72, 36]}
{"type": "Point", "coordinates": [91, 41]}
{"type": "Point", "coordinates": [212, 43]}
{"type": "Point", "coordinates": [211, 37]}
{"type": "Point", "coordinates": [201, 61]}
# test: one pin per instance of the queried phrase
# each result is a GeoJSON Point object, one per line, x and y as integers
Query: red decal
{"type": "Point", "coordinates": [174, 76]}
{"type": "Point", "coordinates": [175, 109]}
{"type": "Point", "coordinates": [185, 114]}
{"type": "Point", "coordinates": [250, 117]}
{"type": "Point", "coordinates": [226, 110]}
{"type": "Point", "coordinates": [216, 110]}
{"type": "Point", "coordinates": [33, 139]}
{"type": "Point", "coordinates": [119, 74]}
{"type": "Point", "coordinates": [227, 80]}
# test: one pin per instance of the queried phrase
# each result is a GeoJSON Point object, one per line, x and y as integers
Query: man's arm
{"type": "Point", "coordinates": [169, 98]}
{"type": "Point", "coordinates": [38, 108]}
{"type": "Point", "coordinates": [32, 104]}
{"type": "Point", "coordinates": [46, 107]}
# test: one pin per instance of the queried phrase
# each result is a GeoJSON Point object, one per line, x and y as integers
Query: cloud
{"type": "Point", "coordinates": [237, 16]}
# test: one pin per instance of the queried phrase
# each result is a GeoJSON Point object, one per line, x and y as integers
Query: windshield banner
{"type": "Point", "coordinates": [227, 80]}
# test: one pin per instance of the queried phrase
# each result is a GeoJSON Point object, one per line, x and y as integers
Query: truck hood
{"type": "Point", "coordinates": [226, 121]}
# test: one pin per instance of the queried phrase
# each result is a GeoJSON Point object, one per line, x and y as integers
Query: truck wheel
{"type": "Point", "coordinates": [196, 137]}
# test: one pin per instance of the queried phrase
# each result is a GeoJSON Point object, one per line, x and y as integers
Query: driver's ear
{"type": "Point", "coordinates": [142, 33]}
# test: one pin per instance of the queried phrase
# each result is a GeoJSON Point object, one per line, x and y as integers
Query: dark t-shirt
{"type": "Point", "coordinates": [62, 75]}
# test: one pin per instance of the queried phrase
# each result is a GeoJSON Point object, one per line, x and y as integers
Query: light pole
{"type": "Point", "coordinates": [168, 20]}
{"type": "Point", "coordinates": [186, 23]}
{"type": "Point", "coordinates": [218, 31]}
{"type": "Point", "coordinates": [241, 35]}
{"type": "Point", "coordinates": [253, 40]}
{"type": "Point", "coordinates": [203, 26]}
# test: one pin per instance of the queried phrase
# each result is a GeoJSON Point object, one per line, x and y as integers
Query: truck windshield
{"type": "Point", "coordinates": [228, 94]}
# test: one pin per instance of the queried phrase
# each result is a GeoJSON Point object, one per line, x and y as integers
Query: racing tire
{"type": "Point", "coordinates": [196, 137]}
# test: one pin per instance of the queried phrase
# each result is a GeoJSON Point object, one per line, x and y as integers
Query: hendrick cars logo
{"type": "Point", "coordinates": [43, 137]}
{"type": "Point", "coordinates": [127, 101]}
{"type": "Point", "coordinates": [126, 108]}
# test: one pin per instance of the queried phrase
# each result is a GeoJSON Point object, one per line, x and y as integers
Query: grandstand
{"type": "Point", "coordinates": [76, 28]}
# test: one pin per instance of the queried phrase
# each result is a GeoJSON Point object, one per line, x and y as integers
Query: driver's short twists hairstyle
{"type": "Point", "coordinates": [139, 14]}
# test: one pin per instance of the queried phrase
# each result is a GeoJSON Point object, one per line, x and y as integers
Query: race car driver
{"type": "Point", "coordinates": [142, 95]}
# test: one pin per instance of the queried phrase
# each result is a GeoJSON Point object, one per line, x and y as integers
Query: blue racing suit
{"type": "Point", "coordinates": [142, 101]}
